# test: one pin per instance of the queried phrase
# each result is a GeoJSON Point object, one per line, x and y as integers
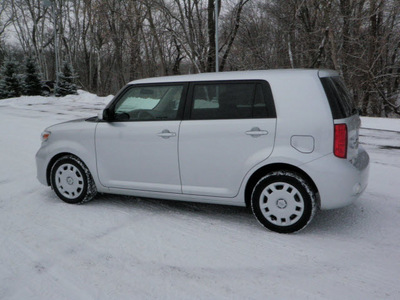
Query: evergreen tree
{"type": "Point", "coordinates": [3, 94]}
{"type": "Point", "coordinates": [66, 79]}
{"type": "Point", "coordinates": [10, 83]}
{"type": "Point", "coordinates": [32, 83]}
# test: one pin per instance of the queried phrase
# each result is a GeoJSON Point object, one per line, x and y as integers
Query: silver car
{"type": "Point", "coordinates": [283, 142]}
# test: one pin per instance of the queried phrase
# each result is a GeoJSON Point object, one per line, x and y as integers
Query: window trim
{"type": "Point", "coordinates": [268, 97]}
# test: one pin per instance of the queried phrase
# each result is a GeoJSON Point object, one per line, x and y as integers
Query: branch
{"type": "Point", "coordinates": [395, 108]}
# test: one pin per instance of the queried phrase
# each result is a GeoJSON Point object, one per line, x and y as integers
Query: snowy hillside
{"type": "Point", "coordinates": [119, 247]}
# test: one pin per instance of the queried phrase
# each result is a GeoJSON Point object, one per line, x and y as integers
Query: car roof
{"type": "Point", "coordinates": [238, 75]}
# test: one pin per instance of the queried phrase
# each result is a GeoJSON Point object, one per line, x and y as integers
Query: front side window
{"type": "Point", "coordinates": [234, 100]}
{"type": "Point", "coordinates": [146, 103]}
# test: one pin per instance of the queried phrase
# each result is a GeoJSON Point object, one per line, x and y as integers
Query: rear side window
{"type": "Point", "coordinates": [340, 101]}
{"type": "Point", "coordinates": [232, 100]}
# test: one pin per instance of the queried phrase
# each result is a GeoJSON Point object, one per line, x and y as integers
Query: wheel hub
{"type": "Point", "coordinates": [70, 181]}
{"type": "Point", "coordinates": [281, 203]}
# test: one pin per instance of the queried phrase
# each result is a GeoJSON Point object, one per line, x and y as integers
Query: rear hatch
{"type": "Point", "coordinates": [345, 117]}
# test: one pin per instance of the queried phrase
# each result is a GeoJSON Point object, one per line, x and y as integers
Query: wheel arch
{"type": "Point", "coordinates": [257, 175]}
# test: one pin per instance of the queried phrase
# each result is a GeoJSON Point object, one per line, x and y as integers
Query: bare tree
{"type": "Point", "coordinates": [110, 42]}
{"type": "Point", "coordinates": [6, 16]}
{"type": "Point", "coordinates": [234, 18]}
{"type": "Point", "coordinates": [358, 38]}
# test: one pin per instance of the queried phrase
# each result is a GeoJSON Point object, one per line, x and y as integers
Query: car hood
{"type": "Point", "coordinates": [62, 124]}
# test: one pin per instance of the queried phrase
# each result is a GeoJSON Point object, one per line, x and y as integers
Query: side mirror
{"type": "Point", "coordinates": [106, 115]}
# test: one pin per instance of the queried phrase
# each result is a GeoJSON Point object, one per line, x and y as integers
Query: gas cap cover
{"type": "Point", "coordinates": [303, 143]}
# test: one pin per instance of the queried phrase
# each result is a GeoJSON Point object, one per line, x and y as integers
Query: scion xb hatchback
{"type": "Point", "coordinates": [283, 142]}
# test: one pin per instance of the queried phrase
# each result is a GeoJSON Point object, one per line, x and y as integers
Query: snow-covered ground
{"type": "Point", "coordinates": [125, 248]}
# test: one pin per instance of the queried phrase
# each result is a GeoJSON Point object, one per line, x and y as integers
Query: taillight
{"type": "Point", "coordinates": [340, 142]}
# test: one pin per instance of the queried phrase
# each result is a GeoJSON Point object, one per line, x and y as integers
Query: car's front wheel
{"type": "Point", "coordinates": [283, 202]}
{"type": "Point", "coordinates": [71, 180]}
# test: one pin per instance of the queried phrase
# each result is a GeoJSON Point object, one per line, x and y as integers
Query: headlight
{"type": "Point", "coordinates": [45, 135]}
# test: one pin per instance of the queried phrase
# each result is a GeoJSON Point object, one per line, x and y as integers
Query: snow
{"type": "Point", "coordinates": [119, 247]}
{"type": "Point", "coordinates": [381, 123]}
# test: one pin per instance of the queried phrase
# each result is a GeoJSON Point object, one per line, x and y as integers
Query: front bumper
{"type": "Point", "coordinates": [41, 165]}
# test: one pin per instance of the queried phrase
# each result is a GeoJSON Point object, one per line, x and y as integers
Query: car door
{"type": "Point", "coordinates": [229, 128]}
{"type": "Point", "coordinates": [138, 148]}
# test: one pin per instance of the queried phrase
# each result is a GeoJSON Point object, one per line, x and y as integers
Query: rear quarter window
{"type": "Point", "coordinates": [340, 101]}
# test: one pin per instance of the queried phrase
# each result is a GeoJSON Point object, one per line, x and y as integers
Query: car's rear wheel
{"type": "Point", "coordinates": [71, 180]}
{"type": "Point", "coordinates": [283, 202]}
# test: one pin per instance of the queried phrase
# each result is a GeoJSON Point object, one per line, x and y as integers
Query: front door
{"type": "Point", "coordinates": [138, 149]}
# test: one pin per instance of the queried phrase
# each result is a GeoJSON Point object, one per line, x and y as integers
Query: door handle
{"type": "Point", "coordinates": [165, 134]}
{"type": "Point", "coordinates": [256, 132]}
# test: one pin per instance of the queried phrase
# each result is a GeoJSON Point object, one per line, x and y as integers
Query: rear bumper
{"type": "Point", "coordinates": [339, 181]}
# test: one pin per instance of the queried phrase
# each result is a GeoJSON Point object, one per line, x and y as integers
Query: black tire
{"type": "Point", "coordinates": [45, 91]}
{"type": "Point", "coordinates": [71, 180]}
{"type": "Point", "coordinates": [283, 202]}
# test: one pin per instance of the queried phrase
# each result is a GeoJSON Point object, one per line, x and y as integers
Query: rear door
{"type": "Point", "coordinates": [229, 128]}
